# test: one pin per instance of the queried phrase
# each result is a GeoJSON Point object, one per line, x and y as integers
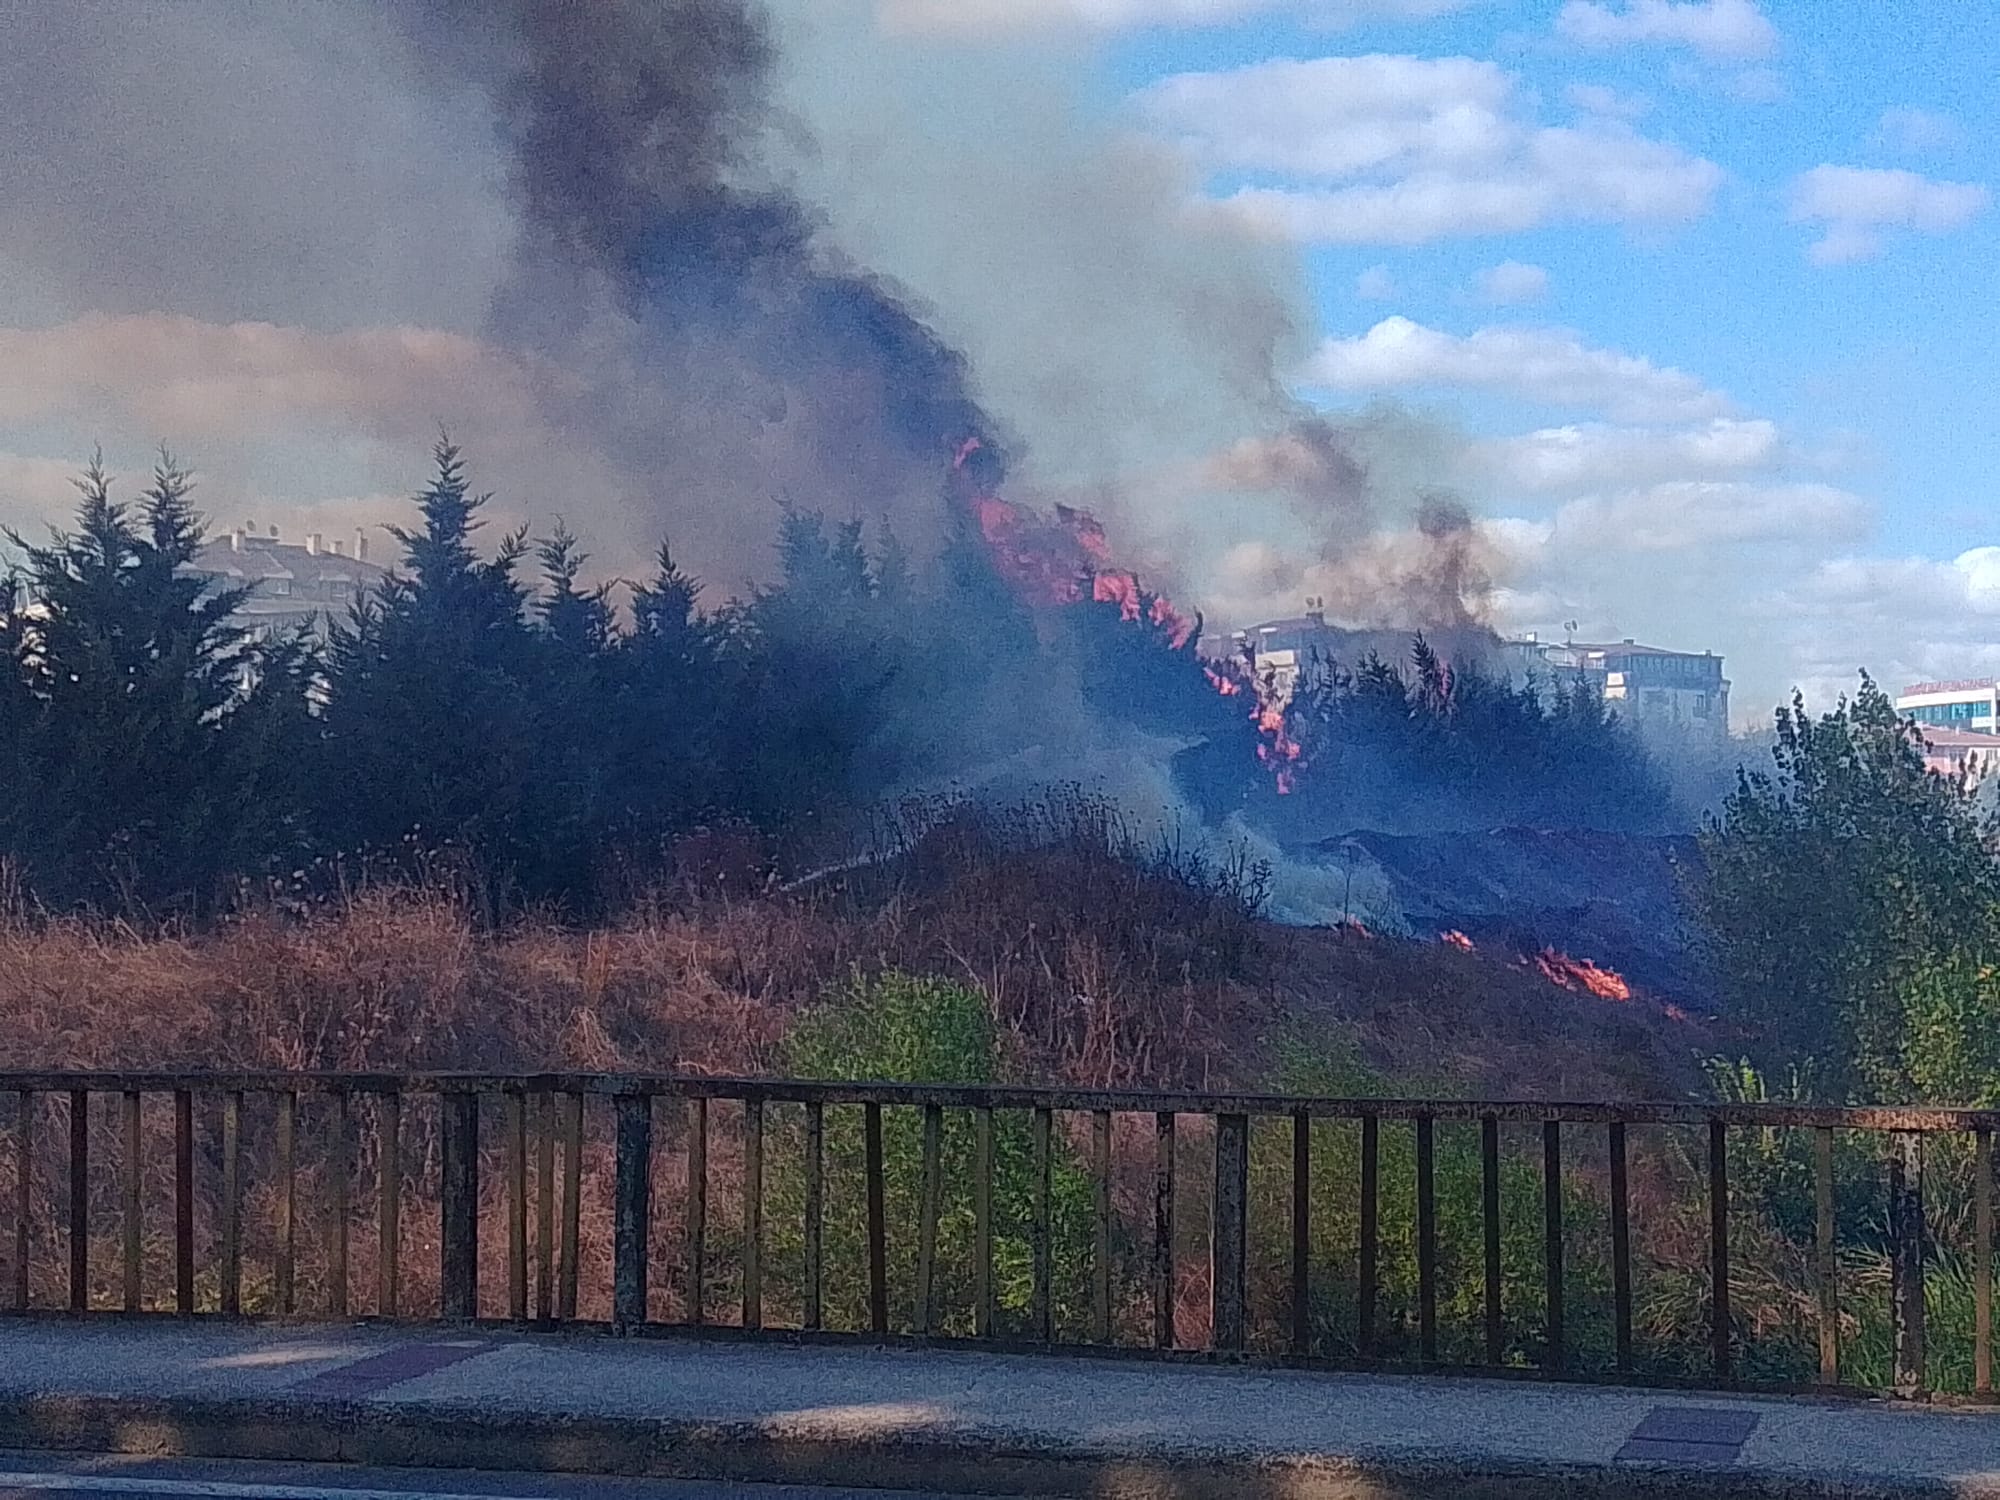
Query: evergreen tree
{"type": "Point", "coordinates": [140, 715]}
{"type": "Point", "coordinates": [433, 725]}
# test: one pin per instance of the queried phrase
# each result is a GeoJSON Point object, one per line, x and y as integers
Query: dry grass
{"type": "Point", "coordinates": [1103, 968]}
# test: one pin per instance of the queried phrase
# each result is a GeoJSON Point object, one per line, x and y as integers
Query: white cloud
{"type": "Point", "coordinates": [1375, 284]}
{"type": "Point", "coordinates": [1512, 282]}
{"type": "Point", "coordinates": [1597, 99]}
{"type": "Point", "coordinates": [1691, 514]}
{"type": "Point", "coordinates": [983, 17]}
{"type": "Point", "coordinates": [1910, 130]}
{"type": "Point", "coordinates": [1551, 366]}
{"type": "Point", "coordinates": [1720, 30]}
{"type": "Point", "coordinates": [1594, 456]}
{"type": "Point", "coordinates": [1853, 205]}
{"type": "Point", "coordinates": [1406, 150]}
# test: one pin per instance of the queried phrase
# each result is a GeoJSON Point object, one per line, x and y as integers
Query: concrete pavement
{"type": "Point", "coordinates": [942, 1421]}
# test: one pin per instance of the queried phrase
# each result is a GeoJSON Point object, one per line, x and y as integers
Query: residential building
{"type": "Point", "coordinates": [1969, 704]}
{"type": "Point", "coordinates": [289, 584]}
{"type": "Point", "coordinates": [1975, 752]}
{"type": "Point", "coordinates": [1651, 687]}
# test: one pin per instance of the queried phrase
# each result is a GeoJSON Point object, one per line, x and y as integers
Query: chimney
{"type": "Point", "coordinates": [313, 540]}
{"type": "Point", "coordinates": [274, 533]}
{"type": "Point", "coordinates": [339, 548]}
{"type": "Point", "coordinates": [360, 544]}
{"type": "Point", "coordinates": [236, 540]}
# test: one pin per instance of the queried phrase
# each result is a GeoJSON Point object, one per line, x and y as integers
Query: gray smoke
{"type": "Point", "coordinates": [687, 310]}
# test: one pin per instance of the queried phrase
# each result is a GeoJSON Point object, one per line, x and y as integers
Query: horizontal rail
{"type": "Point", "coordinates": [1899, 1118]}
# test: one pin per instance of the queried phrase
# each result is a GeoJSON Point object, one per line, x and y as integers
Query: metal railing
{"type": "Point", "coordinates": [543, 1182]}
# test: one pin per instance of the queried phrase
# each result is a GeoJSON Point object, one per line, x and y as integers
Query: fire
{"type": "Point", "coordinates": [1457, 939]}
{"type": "Point", "coordinates": [1581, 975]}
{"type": "Point", "coordinates": [1064, 559]}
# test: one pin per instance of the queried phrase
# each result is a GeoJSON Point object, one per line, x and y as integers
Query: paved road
{"type": "Point", "coordinates": [918, 1419]}
{"type": "Point", "coordinates": [42, 1476]}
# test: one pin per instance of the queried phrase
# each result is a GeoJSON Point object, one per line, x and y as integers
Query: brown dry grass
{"type": "Point", "coordinates": [1102, 969]}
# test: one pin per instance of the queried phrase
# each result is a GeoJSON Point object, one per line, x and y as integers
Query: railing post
{"type": "Point", "coordinates": [1982, 1264]}
{"type": "Point", "coordinates": [1229, 1238]}
{"type": "Point", "coordinates": [1163, 1231]}
{"type": "Point", "coordinates": [1826, 1284]}
{"type": "Point", "coordinates": [878, 1253]}
{"type": "Point", "coordinates": [696, 1295]}
{"type": "Point", "coordinates": [388, 1270]}
{"type": "Point", "coordinates": [24, 1192]}
{"type": "Point", "coordinates": [1718, 1248]}
{"type": "Point", "coordinates": [1489, 1214]}
{"type": "Point", "coordinates": [1426, 1130]}
{"type": "Point", "coordinates": [336, 1172]}
{"type": "Point", "coordinates": [134, 1205]}
{"type": "Point", "coordinates": [1621, 1252]}
{"type": "Point", "coordinates": [459, 1182]}
{"type": "Point", "coordinates": [753, 1213]}
{"type": "Point", "coordinates": [1906, 1260]}
{"type": "Point", "coordinates": [1369, 1247]}
{"type": "Point", "coordinates": [1301, 1232]}
{"type": "Point", "coordinates": [79, 1200]}
{"type": "Point", "coordinates": [632, 1210]}
{"type": "Point", "coordinates": [283, 1274]}
{"type": "Point", "coordinates": [1556, 1353]}
{"type": "Point", "coordinates": [184, 1200]}
{"type": "Point", "coordinates": [816, 1213]}
{"type": "Point", "coordinates": [232, 1202]}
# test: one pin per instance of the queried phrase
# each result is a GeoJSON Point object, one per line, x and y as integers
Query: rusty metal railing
{"type": "Point", "coordinates": [540, 1159]}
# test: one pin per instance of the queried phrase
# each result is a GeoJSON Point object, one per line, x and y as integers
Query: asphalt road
{"type": "Point", "coordinates": [76, 1476]}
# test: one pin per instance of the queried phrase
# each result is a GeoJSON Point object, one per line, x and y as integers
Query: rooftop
{"type": "Point", "coordinates": [1957, 685]}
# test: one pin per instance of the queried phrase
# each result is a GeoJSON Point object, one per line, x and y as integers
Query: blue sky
{"type": "Point", "coordinates": [1875, 359]}
{"type": "Point", "coordinates": [1690, 300]}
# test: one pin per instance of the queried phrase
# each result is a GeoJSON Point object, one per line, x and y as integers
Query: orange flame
{"type": "Point", "coordinates": [1582, 975]}
{"type": "Point", "coordinates": [1457, 939]}
{"type": "Point", "coordinates": [1064, 559]}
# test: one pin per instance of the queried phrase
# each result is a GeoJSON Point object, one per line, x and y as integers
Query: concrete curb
{"type": "Point", "coordinates": [456, 1437]}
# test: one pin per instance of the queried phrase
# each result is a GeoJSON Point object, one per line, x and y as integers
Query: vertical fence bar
{"type": "Point", "coordinates": [1489, 1214]}
{"type": "Point", "coordinates": [338, 1150]}
{"type": "Point", "coordinates": [1556, 1354]}
{"type": "Point", "coordinates": [283, 1274]}
{"type": "Point", "coordinates": [24, 1192]}
{"type": "Point", "coordinates": [982, 1223]}
{"type": "Point", "coordinates": [1427, 1300]}
{"type": "Point", "coordinates": [1301, 1232]}
{"type": "Point", "coordinates": [134, 1204]}
{"type": "Point", "coordinates": [183, 1201]}
{"type": "Point", "coordinates": [631, 1212]}
{"type": "Point", "coordinates": [815, 1209]}
{"type": "Point", "coordinates": [1371, 1178]}
{"type": "Point", "coordinates": [1041, 1297]}
{"type": "Point", "coordinates": [1100, 1264]}
{"type": "Point", "coordinates": [1229, 1238]}
{"type": "Point", "coordinates": [572, 1205]}
{"type": "Point", "coordinates": [1906, 1260]}
{"type": "Point", "coordinates": [545, 1205]}
{"type": "Point", "coordinates": [1163, 1231]}
{"type": "Point", "coordinates": [389, 1203]}
{"type": "Point", "coordinates": [79, 1200]}
{"type": "Point", "coordinates": [1621, 1251]}
{"type": "Point", "coordinates": [927, 1218]}
{"type": "Point", "coordinates": [458, 1271]}
{"type": "Point", "coordinates": [1982, 1264]}
{"type": "Point", "coordinates": [517, 1205]}
{"type": "Point", "coordinates": [753, 1213]}
{"type": "Point", "coordinates": [878, 1250]}
{"type": "Point", "coordinates": [1718, 1247]}
{"type": "Point", "coordinates": [1826, 1283]}
{"type": "Point", "coordinates": [232, 1202]}
{"type": "Point", "coordinates": [697, 1210]}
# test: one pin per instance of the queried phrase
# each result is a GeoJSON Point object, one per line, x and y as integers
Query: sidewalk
{"type": "Point", "coordinates": [1019, 1425]}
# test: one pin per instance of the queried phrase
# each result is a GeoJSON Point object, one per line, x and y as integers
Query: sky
{"type": "Point", "coordinates": [1688, 300]}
